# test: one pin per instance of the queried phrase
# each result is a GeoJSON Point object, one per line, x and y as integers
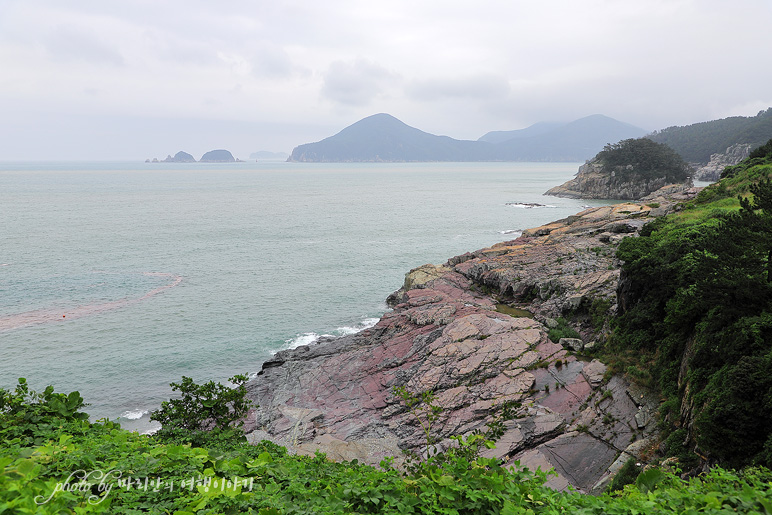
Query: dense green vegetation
{"type": "Point", "coordinates": [204, 412]}
{"type": "Point", "coordinates": [53, 460]}
{"type": "Point", "coordinates": [696, 299]}
{"type": "Point", "coordinates": [697, 142]}
{"type": "Point", "coordinates": [643, 159]}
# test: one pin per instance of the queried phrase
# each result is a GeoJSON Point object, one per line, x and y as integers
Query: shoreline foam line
{"type": "Point", "coordinates": [43, 316]}
{"type": "Point", "coordinates": [312, 338]}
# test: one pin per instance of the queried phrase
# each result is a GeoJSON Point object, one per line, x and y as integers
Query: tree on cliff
{"type": "Point", "coordinates": [643, 158]}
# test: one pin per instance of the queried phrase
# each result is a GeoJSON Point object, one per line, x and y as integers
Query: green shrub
{"type": "Point", "coordinates": [562, 331]}
{"type": "Point", "coordinates": [210, 406]}
{"type": "Point", "coordinates": [626, 475]}
{"type": "Point", "coordinates": [264, 480]}
{"type": "Point", "coordinates": [33, 417]}
{"type": "Point", "coordinates": [705, 281]}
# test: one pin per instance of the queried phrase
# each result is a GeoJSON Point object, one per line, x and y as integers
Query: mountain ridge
{"type": "Point", "coordinates": [384, 138]}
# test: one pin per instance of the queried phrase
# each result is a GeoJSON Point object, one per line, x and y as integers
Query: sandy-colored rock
{"type": "Point", "coordinates": [593, 372]}
{"type": "Point", "coordinates": [419, 277]}
{"type": "Point", "coordinates": [575, 344]}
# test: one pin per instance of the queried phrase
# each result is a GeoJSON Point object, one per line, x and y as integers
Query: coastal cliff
{"type": "Point", "coordinates": [628, 170]}
{"type": "Point", "coordinates": [595, 181]}
{"type": "Point", "coordinates": [451, 332]}
{"type": "Point", "coordinates": [711, 172]}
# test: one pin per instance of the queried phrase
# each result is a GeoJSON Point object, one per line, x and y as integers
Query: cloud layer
{"type": "Point", "coordinates": [278, 74]}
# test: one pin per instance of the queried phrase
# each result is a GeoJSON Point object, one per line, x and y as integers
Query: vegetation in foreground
{"type": "Point", "coordinates": [53, 460]}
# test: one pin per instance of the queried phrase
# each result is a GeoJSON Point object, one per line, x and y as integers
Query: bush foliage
{"type": "Point", "coordinates": [203, 412]}
{"type": "Point", "coordinates": [700, 285]}
{"type": "Point", "coordinates": [111, 470]}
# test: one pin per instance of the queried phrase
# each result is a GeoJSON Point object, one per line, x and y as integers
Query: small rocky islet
{"type": "Point", "coordinates": [446, 335]}
{"type": "Point", "coordinates": [213, 156]}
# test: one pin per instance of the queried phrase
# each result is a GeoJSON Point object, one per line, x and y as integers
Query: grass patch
{"type": "Point", "coordinates": [562, 331]}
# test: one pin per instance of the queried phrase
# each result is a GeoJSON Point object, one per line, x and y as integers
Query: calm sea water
{"type": "Point", "coordinates": [119, 278]}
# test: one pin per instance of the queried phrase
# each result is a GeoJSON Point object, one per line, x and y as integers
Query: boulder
{"type": "Point", "coordinates": [575, 344]}
{"type": "Point", "coordinates": [594, 372]}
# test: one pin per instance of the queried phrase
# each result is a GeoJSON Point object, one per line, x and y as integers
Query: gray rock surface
{"type": "Point", "coordinates": [711, 172]}
{"type": "Point", "coordinates": [574, 344]}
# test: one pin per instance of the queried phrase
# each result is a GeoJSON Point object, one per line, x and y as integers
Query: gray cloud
{"type": "Point", "coordinates": [68, 43]}
{"type": "Point", "coordinates": [478, 87]}
{"type": "Point", "coordinates": [444, 66]}
{"type": "Point", "coordinates": [355, 83]}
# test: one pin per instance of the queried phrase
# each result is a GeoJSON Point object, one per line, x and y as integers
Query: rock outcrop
{"type": "Point", "coordinates": [595, 181]}
{"type": "Point", "coordinates": [711, 172]}
{"type": "Point", "coordinates": [449, 333]}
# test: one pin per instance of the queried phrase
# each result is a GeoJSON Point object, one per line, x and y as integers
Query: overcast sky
{"type": "Point", "coordinates": [135, 79]}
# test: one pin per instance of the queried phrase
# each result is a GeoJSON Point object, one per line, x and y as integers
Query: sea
{"type": "Point", "coordinates": [118, 278]}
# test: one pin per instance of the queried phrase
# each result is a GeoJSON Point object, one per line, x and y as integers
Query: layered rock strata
{"type": "Point", "coordinates": [445, 334]}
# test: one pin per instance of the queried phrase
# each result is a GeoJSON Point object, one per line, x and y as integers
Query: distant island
{"type": "Point", "coordinates": [180, 157]}
{"type": "Point", "coordinates": [213, 156]}
{"type": "Point", "coordinates": [384, 138]}
{"type": "Point", "coordinates": [217, 156]}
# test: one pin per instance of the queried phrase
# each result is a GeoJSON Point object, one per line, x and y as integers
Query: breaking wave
{"type": "Point", "coordinates": [528, 205]}
{"type": "Point", "coordinates": [311, 337]}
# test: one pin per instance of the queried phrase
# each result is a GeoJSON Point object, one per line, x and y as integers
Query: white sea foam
{"type": "Point", "coordinates": [135, 414]}
{"type": "Point", "coordinates": [311, 338]}
{"type": "Point", "coordinates": [528, 205]}
{"type": "Point", "coordinates": [301, 339]}
{"type": "Point", "coordinates": [367, 323]}
{"type": "Point", "coordinates": [516, 232]}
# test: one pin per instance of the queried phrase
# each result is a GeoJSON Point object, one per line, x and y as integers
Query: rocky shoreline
{"type": "Point", "coordinates": [451, 331]}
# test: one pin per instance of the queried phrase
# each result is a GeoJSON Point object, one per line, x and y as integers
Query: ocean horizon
{"type": "Point", "coordinates": [117, 278]}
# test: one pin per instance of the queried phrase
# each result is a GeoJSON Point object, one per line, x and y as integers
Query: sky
{"type": "Point", "coordinates": [136, 79]}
